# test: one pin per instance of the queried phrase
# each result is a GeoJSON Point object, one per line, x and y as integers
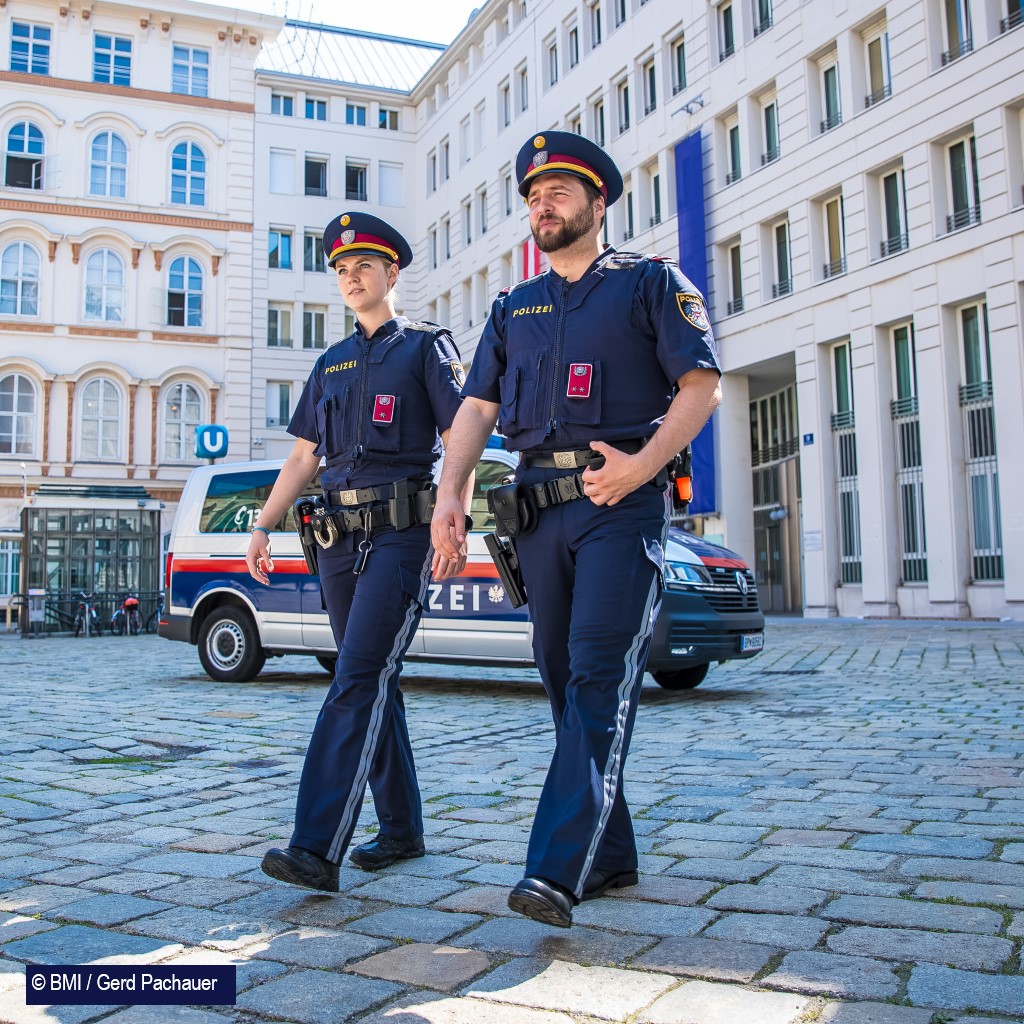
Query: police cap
{"type": "Point", "coordinates": [355, 234]}
{"type": "Point", "coordinates": [567, 153]}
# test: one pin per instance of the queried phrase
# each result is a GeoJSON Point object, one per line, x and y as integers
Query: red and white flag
{"type": "Point", "coordinates": [534, 261]}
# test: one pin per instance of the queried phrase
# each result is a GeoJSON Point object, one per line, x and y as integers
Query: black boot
{"type": "Point", "coordinates": [384, 851]}
{"type": "Point", "coordinates": [301, 867]}
{"type": "Point", "coordinates": [543, 901]}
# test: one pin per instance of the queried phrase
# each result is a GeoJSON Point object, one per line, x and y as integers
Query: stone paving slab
{"type": "Point", "coordinates": [603, 992]}
{"type": "Point", "coordinates": [698, 1002]}
{"type": "Point", "coordinates": [578, 944]}
{"type": "Point", "coordinates": [430, 1008]}
{"type": "Point", "coordinates": [200, 927]}
{"type": "Point", "coordinates": [707, 958]}
{"type": "Point", "coordinates": [430, 966]}
{"type": "Point", "coordinates": [907, 913]}
{"type": "Point", "coordinates": [931, 985]}
{"type": "Point", "coordinates": [415, 923]}
{"type": "Point", "coordinates": [312, 997]}
{"type": "Point", "coordinates": [972, 952]}
{"type": "Point", "coordinates": [769, 929]}
{"type": "Point", "coordinates": [847, 977]}
{"type": "Point", "coordinates": [875, 1013]}
{"type": "Point", "coordinates": [78, 944]}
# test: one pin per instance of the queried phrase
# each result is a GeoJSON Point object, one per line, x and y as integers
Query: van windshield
{"type": "Point", "coordinates": [234, 500]}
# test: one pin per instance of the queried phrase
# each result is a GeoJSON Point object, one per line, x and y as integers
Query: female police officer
{"type": "Point", "coordinates": [372, 407]}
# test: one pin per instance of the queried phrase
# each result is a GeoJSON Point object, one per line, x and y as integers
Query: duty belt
{"type": "Point", "coordinates": [577, 458]}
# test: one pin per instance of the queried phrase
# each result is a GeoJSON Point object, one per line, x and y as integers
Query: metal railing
{"type": "Point", "coordinates": [878, 95]}
{"type": "Point", "coordinates": [726, 52]}
{"type": "Point", "coordinates": [735, 306]}
{"type": "Point", "coordinates": [832, 121]}
{"type": "Point", "coordinates": [733, 176]}
{"type": "Point", "coordinates": [655, 220]}
{"type": "Point", "coordinates": [957, 50]}
{"type": "Point", "coordinates": [847, 497]}
{"type": "Point", "coordinates": [982, 469]}
{"type": "Point", "coordinates": [1014, 19]}
{"type": "Point", "coordinates": [910, 489]}
{"type": "Point", "coordinates": [836, 268]}
{"type": "Point", "coordinates": [65, 611]}
{"type": "Point", "coordinates": [963, 218]}
{"type": "Point", "coordinates": [763, 26]}
{"type": "Point", "coordinates": [897, 243]}
{"type": "Point", "coordinates": [783, 287]}
{"type": "Point", "coordinates": [770, 156]}
{"type": "Point", "coordinates": [650, 108]}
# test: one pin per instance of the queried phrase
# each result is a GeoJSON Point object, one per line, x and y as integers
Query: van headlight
{"type": "Point", "coordinates": [679, 574]}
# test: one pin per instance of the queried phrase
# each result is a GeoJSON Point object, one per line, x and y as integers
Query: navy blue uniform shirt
{"type": "Point", "coordinates": [375, 406]}
{"type": "Point", "coordinates": [591, 360]}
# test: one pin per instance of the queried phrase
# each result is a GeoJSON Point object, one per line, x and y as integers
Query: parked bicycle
{"type": "Point", "coordinates": [87, 621]}
{"type": "Point", "coordinates": [154, 619]}
{"type": "Point", "coordinates": [127, 618]}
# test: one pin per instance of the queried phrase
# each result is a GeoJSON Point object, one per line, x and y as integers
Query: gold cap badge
{"type": "Point", "coordinates": [538, 143]}
{"type": "Point", "coordinates": [345, 219]}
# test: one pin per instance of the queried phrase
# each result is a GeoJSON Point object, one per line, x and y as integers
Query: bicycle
{"type": "Point", "coordinates": [154, 619]}
{"type": "Point", "coordinates": [127, 618]}
{"type": "Point", "coordinates": [86, 620]}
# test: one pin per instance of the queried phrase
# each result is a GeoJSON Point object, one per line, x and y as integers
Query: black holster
{"type": "Point", "coordinates": [514, 508]}
{"type": "Point", "coordinates": [302, 512]}
{"type": "Point", "coordinates": [506, 561]}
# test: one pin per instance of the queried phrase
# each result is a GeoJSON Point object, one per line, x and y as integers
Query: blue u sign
{"type": "Point", "coordinates": [211, 441]}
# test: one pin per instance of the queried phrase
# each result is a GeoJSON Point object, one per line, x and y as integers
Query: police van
{"type": "Point", "coordinates": [709, 606]}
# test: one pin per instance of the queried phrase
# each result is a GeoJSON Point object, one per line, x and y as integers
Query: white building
{"type": "Point", "coordinates": [846, 181]}
{"type": "Point", "coordinates": [126, 293]}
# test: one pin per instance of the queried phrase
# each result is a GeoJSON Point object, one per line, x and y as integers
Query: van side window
{"type": "Point", "coordinates": [234, 500]}
{"type": "Point", "coordinates": [488, 474]}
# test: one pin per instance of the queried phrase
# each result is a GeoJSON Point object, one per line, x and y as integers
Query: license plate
{"type": "Point", "coordinates": [751, 641]}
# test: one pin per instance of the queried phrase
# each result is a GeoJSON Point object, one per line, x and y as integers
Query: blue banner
{"type": "Point", "coordinates": [693, 261]}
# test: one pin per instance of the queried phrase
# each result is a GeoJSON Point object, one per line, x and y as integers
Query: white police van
{"type": "Point", "coordinates": [709, 603]}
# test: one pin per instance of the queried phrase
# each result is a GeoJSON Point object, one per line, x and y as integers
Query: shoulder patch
{"type": "Point", "coordinates": [523, 284]}
{"type": "Point", "coordinates": [622, 260]}
{"type": "Point", "coordinates": [691, 306]}
{"type": "Point", "coordinates": [425, 325]}
{"type": "Point", "coordinates": [654, 258]}
{"type": "Point", "coordinates": [458, 372]}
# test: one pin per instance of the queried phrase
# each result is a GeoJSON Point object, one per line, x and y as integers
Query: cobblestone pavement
{"type": "Point", "coordinates": [833, 831]}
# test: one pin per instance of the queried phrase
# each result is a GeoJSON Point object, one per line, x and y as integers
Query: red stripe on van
{"type": "Point", "coordinates": [725, 563]}
{"type": "Point", "coordinates": [235, 565]}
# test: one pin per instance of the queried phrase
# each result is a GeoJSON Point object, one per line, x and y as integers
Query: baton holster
{"type": "Point", "coordinates": [503, 551]}
{"type": "Point", "coordinates": [303, 511]}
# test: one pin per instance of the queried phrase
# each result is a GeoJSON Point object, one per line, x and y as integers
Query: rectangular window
{"type": "Point", "coordinates": [390, 182]}
{"type": "Point", "coordinates": [355, 114]}
{"type": "Point", "coordinates": [735, 280]}
{"type": "Point", "coordinates": [909, 469]}
{"type": "Point", "coordinates": [552, 64]}
{"type": "Point", "coordinates": [432, 247]}
{"type": "Point", "coordinates": [190, 71]}
{"type": "Point", "coordinates": [30, 48]}
{"type": "Point", "coordinates": [622, 98]}
{"type": "Point", "coordinates": [956, 18]}
{"type": "Point", "coordinates": [576, 124]}
{"type": "Point", "coordinates": [574, 46]}
{"type": "Point", "coordinates": [770, 119]}
{"type": "Point", "coordinates": [619, 6]}
{"type": "Point", "coordinates": [847, 490]}
{"type": "Point", "coordinates": [446, 239]}
{"type": "Point", "coordinates": [112, 59]}
{"type": "Point", "coordinates": [762, 16]}
{"type": "Point", "coordinates": [467, 223]}
{"type": "Point", "coordinates": [482, 207]}
{"type": "Point", "coordinates": [595, 25]}
{"type": "Point", "coordinates": [783, 278]}
{"type": "Point", "coordinates": [505, 104]}
{"type": "Point", "coordinates": [650, 88]}
{"type": "Point", "coordinates": [316, 110]}
{"type": "Point", "coordinates": [655, 199]}
{"type": "Point", "coordinates": [678, 65]}
{"type": "Point", "coordinates": [735, 171]}
{"type": "Point", "coordinates": [10, 567]}
{"type": "Point", "coordinates": [894, 214]}
{"type": "Point", "coordinates": [1014, 15]}
{"type": "Point", "coordinates": [431, 172]}
{"type": "Point", "coordinates": [963, 190]}
{"type": "Point", "coordinates": [387, 119]}
{"type": "Point", "coordinates": [524, 88]}
{"type": "Point", "coordinates": [830, 98]}
{"type": "Point", "coordinates": [835, 238]}
{"type": "Point", "coordinates": [282, 172]}
{"type": "Point", "coordinates": [279, 403]}
{"type": "Point", "coordinates": [316, 176]}
{"type": "Point", "coordinates": [279, 250]}
{"type": "Point", "coordinates": [282, 105]}
{"type": "Point", "coordinates": [464, 144]}
{"type": "Point", "coordinates": [979, 430]}
{"type": "Point", "coordinates": [879, 83]}
{"type": "Point", "coordinates": [599, 134]}
{"type": "Point", "coordinates": [279, 326]}
{"type": "Point", "coordinates": [726, 32]}
{"type": "Point", "coordinates": [314, 328]}
{"type": "Point", "coordinates": [630, 228]}
{"type": "Point", "coordinates": [446, 166]}
{"type": "Point", "coordinates": [355, 181]}
{"type": "Point", "coordinates": [313, 258]}
{"type": "Point", "coordinates": [506, 191]}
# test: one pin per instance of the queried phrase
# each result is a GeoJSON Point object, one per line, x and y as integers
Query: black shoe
{"type": "Point", "coordinates": [542, 901]}
{"type": "Point", "coordinates": [301, 867]}
{"type": "Point", "coordinates": [599, 882]}
{"type": "Point", "coordinates": [384, 851]}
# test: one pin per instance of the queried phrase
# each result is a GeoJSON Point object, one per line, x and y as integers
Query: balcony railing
{"type": "Point", "coordinates": [763, 26]}
{"type": "Point", "coordinates": [650, 108]}
{"type": "Point", "coordinates": [726, 52]}
{"type": "Point", "coordinates": [783, 287]}
{"type": "Point", "coordinates": [623, 127]}
{"type": "Point", "coordinates": [835, 268]}
{"type": "Point", "coordinates": [733, 176]}
{"type": "Point", "coordinates": [678, 87]}
{"type": "Point", "coordinates": [832, 121]}
{"type": "Point", "coordinates": [878, 95]}
{"type": "Point", "coordinates": [627, 235]}
{"type": "Point", "coordinates": [735, 306]}
{"type": "Point", "coordinates": [963, 218]}
{"type": "Point", "coordinates": [655, 220]}
{"type": "Point", "coordinates": [895, 244]}
{"type": "Point", "coordinates": [770, 157]}
{"type": "Point", "coordinates": [1012, 21]}
{"type": "Point", "coordinates": [957, 50]}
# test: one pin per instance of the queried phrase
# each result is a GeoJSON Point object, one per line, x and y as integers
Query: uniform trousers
{"type": "Point", "coordinates": [593, 580]}
{"type": "Point", "coordinates": [360, 734]}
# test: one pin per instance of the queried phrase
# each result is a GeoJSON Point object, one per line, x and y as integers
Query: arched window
{"type": "Point", "coordinates": [25, 151]}
{"type": "Point", "coordinates": [185, 293]}
{"type": "Point", "coordinates": [182, 410]}
{"type": "Point", "coordinates": [108, 166]}
{"type": "Point", "coordinates": [104, 286]}
{"type": "Point", "coordinates": [188, 174]}
{"type": "Point", "coordinates": [19, 280]}
{"type": "Point", "coordinates": [101, 420]}
{"type": "Point", "coordinates": [17, 415]}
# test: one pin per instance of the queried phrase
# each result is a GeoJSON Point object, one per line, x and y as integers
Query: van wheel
{"type": "Point", "coordinates": [682, 678]}
{"type": "Point", "coordinates": [229, 646]}
{"type": "Point", "coordinates": [327, 663]}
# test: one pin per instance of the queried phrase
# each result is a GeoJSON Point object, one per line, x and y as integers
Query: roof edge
{"type": "Point", "coordinates": [360, 33]}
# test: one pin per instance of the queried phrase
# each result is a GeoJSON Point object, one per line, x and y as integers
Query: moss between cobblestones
{"type": "Point", "coordinates": [902, 971]}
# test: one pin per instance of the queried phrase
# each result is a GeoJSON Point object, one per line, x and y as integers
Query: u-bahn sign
{"type": "Point", "coordinates": [211, 441]}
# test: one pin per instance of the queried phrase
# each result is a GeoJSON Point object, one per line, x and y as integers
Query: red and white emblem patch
{"type": "Point", "coordinates": [384, 408]}
{"type": "Point", "coordinates": [580, 376]}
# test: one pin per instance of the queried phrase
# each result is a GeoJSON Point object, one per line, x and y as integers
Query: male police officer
{"type": "Point", "coordinates": [578, 366]}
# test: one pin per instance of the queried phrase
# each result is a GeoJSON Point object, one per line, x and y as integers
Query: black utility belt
{"type": "Point", "coordinates": [578, 458]}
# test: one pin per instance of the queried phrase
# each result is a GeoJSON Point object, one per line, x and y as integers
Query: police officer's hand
{"type": "Point", "coordinates": [448, 529]}
{"type": "Point", "coordinates": [445, 568]}
{"type": "Point", "coordinates": [257, 558]}
{"type": "Point", "coordinates": [620, 475]}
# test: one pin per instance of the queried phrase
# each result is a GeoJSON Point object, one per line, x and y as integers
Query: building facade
{"type": "Point", "coordinates": [846, 182]}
